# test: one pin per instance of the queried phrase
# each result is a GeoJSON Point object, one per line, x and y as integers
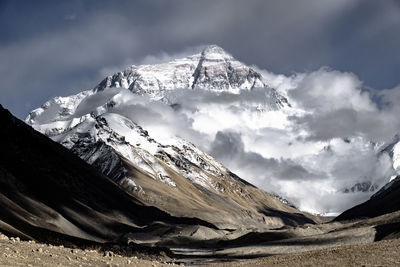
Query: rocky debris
{"type": "Point", "coordinates": [14, 252]}
{"type": "Point", "coordinates": [352, 243]}
{"type": "Point", "coordinates": [383, 253]}
{"type": "Point", "coordinates": [108, 254]}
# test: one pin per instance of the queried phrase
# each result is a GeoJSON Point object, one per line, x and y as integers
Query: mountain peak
{"type": "Point", "coordinates": [215, 52]}
{"type": "Point", "coordinates": [213, 69]}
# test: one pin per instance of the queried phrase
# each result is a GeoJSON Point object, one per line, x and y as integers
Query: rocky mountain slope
{"type": "Point", "coordinates": [171, 174]}
{"type": "Point", "coordinates": [47, 193]}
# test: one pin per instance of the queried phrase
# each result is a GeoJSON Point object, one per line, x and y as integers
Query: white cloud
{"type": "Point", "coordinates": [308, 153]}
{"type": "Point", "coordinates": [325, 90]}
{"type": "Point", "coordinates": [337, 106]}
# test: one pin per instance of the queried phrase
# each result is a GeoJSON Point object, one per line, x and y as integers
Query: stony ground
{"type": "Point", "coordinates": [383, 253]}
{"type": "Point", "coordinates": [14, 252]}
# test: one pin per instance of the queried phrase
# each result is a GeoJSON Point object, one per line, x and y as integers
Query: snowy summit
{"type": "Point", "coordinates": [212, 69]}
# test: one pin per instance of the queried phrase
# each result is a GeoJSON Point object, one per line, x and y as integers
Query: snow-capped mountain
{"type": "Point", "coordinates": [212, 69]}
{"type": "Point", "coordinates": [171, 173]}
{"type": "Point", "coordinates": [103, 139]}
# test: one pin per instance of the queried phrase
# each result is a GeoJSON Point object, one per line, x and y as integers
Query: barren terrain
{"type": "Point", "coordinates": [363, 242]}
{"type": "Point", "coordinates": [14, 252]}
{"type": "Point", "coordinates": [382, 253]}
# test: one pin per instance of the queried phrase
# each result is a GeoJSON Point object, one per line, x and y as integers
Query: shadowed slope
{"type": "Point", "coordinates": [44, 188]}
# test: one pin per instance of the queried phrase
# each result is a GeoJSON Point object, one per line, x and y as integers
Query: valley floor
{"type": "Point", "coordinates": [27, 253]}
{"type": "Point", "coordinates": [382, 253]}
{"type": "Point", "coordinates": [368, 242]}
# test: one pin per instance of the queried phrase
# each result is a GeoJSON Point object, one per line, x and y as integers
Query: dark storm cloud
{"type": "Point", "coordinates": [57, 48]}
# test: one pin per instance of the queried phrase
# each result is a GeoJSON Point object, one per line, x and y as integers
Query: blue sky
{"type": "Point", "coordinates": [50, 48]}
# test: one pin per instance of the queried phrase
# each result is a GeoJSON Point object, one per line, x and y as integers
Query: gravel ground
{"type": "Point", "coordinates": [14, 252]}
{"type": "Point", "coordinates": [383, 253]}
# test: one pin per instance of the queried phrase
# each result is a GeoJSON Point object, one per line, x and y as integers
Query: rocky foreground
{"type": "Point", "coordinates": [382, 253]}
{"type": "Point", "coordinates": [365, 242]}
{"type": "Point", "coordinates": [14, 252]}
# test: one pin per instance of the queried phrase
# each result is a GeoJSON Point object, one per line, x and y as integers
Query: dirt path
{"type": "Point", "coordinates": [383, 253]}
{"type": "Point", "coordinates": [14, 252]}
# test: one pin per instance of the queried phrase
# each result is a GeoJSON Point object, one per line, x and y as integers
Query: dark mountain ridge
{"type": "Point", "coordinates": [45, 189]}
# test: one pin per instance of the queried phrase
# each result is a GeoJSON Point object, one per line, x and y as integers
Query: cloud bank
{"type": "Point", "coordinates": [328, 140]}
